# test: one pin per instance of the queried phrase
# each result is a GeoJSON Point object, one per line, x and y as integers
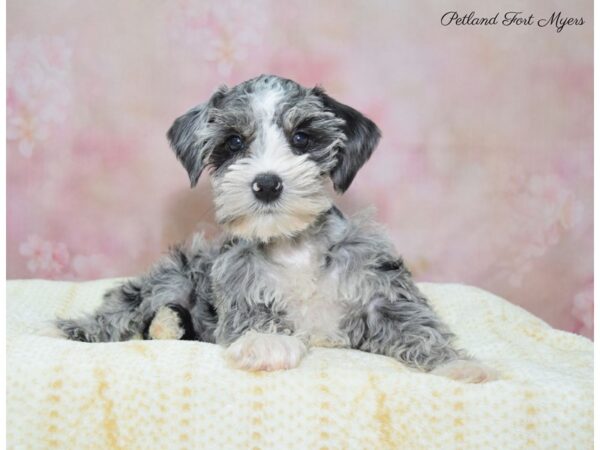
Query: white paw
{"type": "Point", "coordinates": [261, 351]}
{"type": "Point", "coordinates": [466, 371]}
{"type": "Point", "coordinates": [166, 325]}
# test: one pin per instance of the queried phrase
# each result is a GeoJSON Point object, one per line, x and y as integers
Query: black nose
{"type": "Point", "coordinates": [267, 187]}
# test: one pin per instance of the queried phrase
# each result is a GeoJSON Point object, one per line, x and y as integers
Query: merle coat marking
{"type": "Point", "coordinates": [295, 267]}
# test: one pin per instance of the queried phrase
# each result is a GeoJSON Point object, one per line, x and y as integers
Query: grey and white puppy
{"type": "Point", "coordinates": [291, 271]}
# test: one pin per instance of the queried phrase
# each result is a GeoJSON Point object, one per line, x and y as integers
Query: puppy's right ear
{"type": "Point", "coordinates": [189, 138]}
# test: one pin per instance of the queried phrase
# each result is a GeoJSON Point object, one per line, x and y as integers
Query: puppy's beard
{"type": "Point", "coordinates": [304, 198]}
{"type": "Point", "coordinates": [265, 227]}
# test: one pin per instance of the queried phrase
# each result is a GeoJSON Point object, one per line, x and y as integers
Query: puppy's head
{"type": "Point", "coordinates": [270, 146]}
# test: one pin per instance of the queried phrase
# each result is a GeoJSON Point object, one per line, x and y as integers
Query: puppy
{"type": "Point", "coordinates": [291, 271]}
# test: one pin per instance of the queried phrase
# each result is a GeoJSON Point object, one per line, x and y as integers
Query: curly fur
{"type": "Point", "coordinates": [285, 275]}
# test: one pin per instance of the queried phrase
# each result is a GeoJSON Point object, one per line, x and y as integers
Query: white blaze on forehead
{"type": "Point", "coordinates": [271, 147]}
{"type": "Point", "coordinates": [265, 102]}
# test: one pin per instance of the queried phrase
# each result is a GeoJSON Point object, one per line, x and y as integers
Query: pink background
{"type": "Point", "coordinates": [484, 174]}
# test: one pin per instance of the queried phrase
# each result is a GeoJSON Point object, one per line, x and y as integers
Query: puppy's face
{"type": "Point", "coordinates": [270, 146]}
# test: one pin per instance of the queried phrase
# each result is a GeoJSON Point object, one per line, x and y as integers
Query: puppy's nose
{"type": "Point", "coordinates": [267, 187]}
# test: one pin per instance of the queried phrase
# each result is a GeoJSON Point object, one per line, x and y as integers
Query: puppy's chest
{"type": "Point", "coordinates": [308, 290]}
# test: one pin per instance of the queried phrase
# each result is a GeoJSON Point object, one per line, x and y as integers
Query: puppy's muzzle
{"type": "Point", "coordinates": [267, 187]}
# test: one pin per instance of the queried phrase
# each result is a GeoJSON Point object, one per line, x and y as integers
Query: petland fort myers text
{"type": "Point", "coordinates": [557, 20]}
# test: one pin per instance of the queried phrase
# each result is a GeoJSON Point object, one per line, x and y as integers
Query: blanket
{"type": "Point", "coordinates": [183, 395]}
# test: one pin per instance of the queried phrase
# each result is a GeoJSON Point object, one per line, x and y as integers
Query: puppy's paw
{"type": "Point", "coordinates": [171, 322]}
{"type": "Point", "coordinates": [467, 371]}
{"type": "Point", "coordinates": [262, 351]}
{"type": "Point", "coordinates": [70, 329]}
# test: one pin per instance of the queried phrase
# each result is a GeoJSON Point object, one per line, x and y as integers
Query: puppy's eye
{"type": "Point", "coordinates": [235, 143]}
{"type": "Point", "coordinates": [300, 140]}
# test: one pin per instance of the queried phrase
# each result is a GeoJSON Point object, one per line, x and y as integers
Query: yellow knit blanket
{"type": "Point", "coordinates": [182, 395]}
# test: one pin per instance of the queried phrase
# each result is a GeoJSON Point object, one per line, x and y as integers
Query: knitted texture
{"type": "Point", "coordinates": [182, 395]}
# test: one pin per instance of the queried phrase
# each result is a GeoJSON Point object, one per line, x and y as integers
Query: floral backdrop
{"type": "Point", "coordinates": [483, 176]}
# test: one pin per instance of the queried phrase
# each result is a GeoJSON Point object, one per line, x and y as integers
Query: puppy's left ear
{"type": "Point", "coordinates": [362, 136]}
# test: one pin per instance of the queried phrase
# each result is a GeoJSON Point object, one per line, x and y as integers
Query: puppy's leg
{"type": "Point", "coordinates": [258, 339]}
{"type": "Point", "coordinates": [252, 321]}
{"type": "Point", "coordinates": [118, 318]}
{"type": "Point", "coordinates": [172, 287]}
{"type": "Point", "coordinates": [411, 332]}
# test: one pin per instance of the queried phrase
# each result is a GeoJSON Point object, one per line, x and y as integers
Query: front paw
{"type": "Point", "coordinates": [265, 351]}
{"type": "Point", "coordinates": [467, 371]}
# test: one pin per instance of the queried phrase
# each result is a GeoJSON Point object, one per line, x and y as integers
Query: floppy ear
{"type": "Point", "coordinates": [362, 136]}
{"type": "Point", "coordinates": [186, 137]}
